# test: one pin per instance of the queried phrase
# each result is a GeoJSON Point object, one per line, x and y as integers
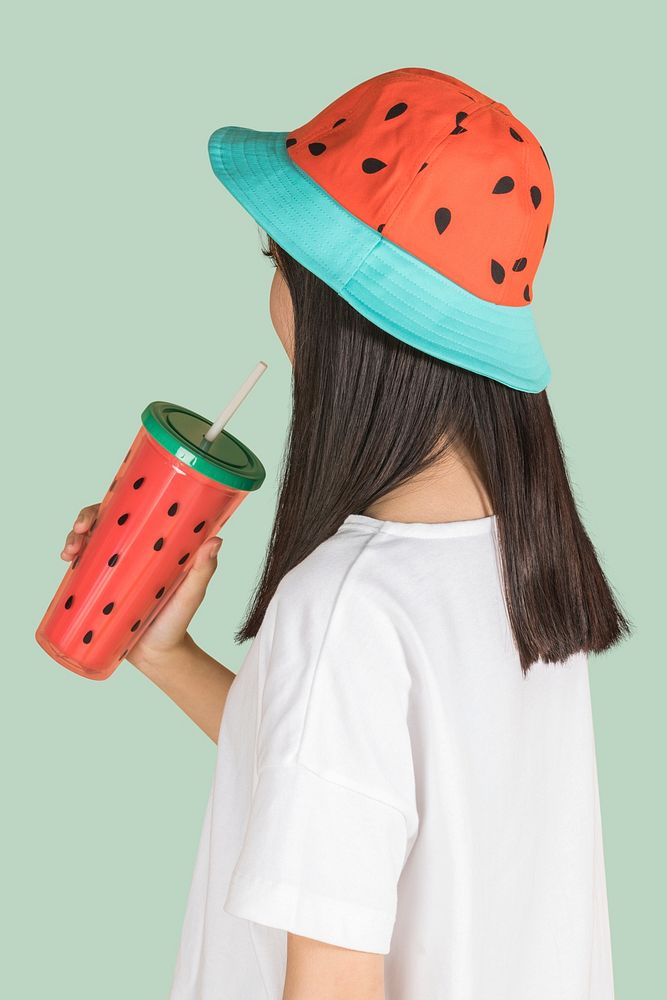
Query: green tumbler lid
{"type": "Point", "coordinates": [226, 460]}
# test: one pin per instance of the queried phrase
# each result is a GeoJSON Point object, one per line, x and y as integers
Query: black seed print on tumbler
{"type": "Point", "coordinates": [135, 626]}
{"type": "Point", "coordinates": [108, 608]}
{"type": "Point", "coordinates": [339, 122]}
{"type": "Point", "coordinates": [316, 148]}
{"type": "Point", "coordinates": [443, 217]}
{"type": "Point", "coordinates": [289, 142]}
{"type": "Point", "coordinates": [113, 560]}
{"type": "Point", "coordinates": [396, 110]}
{"type": "Point", "coordinates": [123, 518]}
{"type": "Point", "coordinates": [138, 483]}
{"type": "Point", "coordinates": [380, 227]}
{"type": "Point", "coordinates": [159, 594]}
{"type": "Point", "coordinates": [422, 167]}
{"type": "Point", "coordinates": [87, 637]}
{"type": "Point", "coordinates": [158, 545]}
{"type": "Point", "coordinates": [197, 528]}
{"type": "Point", "coordinates": [546, 233]}
{"type": "Point", "coordinates": [515, 134]}
{"type": "Point", "coordinates": [172, 510]}
{"type": "Point", "coordinates": [535, 195]}
{"type": "Point", "coordinates": [460, 115]}
{"type": "Point", "coordinates": [183, 559]}
{"type": "Point", "coordinates": [371, 165]}
{"type": "Point", "coordinates": [526, 293]}
{"type": "Point", "coordinates": [519, 264]}
{"type": "Point", "coordinates": [497, 272]}
{"type": "Point", "coordinates": [503, 185]}
{"type": "Point", "coordinates": [69, 602]}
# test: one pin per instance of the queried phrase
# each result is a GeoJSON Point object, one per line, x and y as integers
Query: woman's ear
{"type": "Point", "coordinates": [282, 312]}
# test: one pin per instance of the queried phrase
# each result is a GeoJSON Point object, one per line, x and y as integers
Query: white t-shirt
{"type": "Point", "coordinates": [387, 780]}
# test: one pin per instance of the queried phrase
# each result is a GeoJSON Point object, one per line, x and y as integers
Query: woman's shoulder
{"type": "Point", "coordinates": [342, 566]}
{"type": "Point", "coordinates": [337, 607]}
{"type": "Point", "coordinates": [335, 631]}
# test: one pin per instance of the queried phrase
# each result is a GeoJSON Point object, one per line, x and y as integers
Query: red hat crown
{"type": "Point", "coordinates": [440, 169]}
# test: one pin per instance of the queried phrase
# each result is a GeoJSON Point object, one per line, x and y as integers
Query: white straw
{"type": "Point", "coordinates": [235, 402]}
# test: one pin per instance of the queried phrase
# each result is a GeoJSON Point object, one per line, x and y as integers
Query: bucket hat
{"type": "Point", "coordinates": [421, 201]}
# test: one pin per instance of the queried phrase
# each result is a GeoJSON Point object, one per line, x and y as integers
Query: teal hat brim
{"type": "Point", "coordinates": [386, 284]}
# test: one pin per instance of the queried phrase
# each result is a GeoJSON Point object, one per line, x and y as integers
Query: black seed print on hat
{"type": "Point", "coordinates": [113, 560]}
{"type": "Point", "coordinates": [396, 110]}
{"type": "Point", "coordinates": [172, 510]}
{"type": "Point", "coordinates": [371, 165]}
{"type": "Point", "coordinates": [497, 272]}
{"type": "Point", "coordinates": [535, 195]}
{"type": "Point", "coordinates": [546, 233]}
{"type": "Point", "coordinates": [339, 122]}
{"type": "Point", "coordinates": [380, 227]}
{"type": "Point", "coordinates": [136, 626]}
{"type": "Point", "coordinates": [460, 115]}
{"type": "Point", "coordinates": [443, 217]}
{"type": "Point", "coordinates": [515, 134]}
{"type": "Point", "coordinates": [526, 293]}
{"type": "Point", "coordinates": [108, 608]}
{"type": "Point", "coordinates": [545, 157]}
{"type": "Point", "coordinates": [138, 483]}
{"type": "Point", "coordinates": [183, 559]}
{"type": "Point", "coordinates": [87, 637]}
{"type": "Point", "coordinates": [123, 518]}
{"type": "Point", "coordinates": [316, 148]}
{"type": "Point", "coordinates": [159, 594]}
{"type": "Point", "coordinates": [422, 167]}
{"type": "Point", "coordinates": [158, 545]}
{"type": "Point", "coordinates": [519, 264]}
{"type": "Point", "coordinates": [289, 142]}
{"type": "Point", "coordinates": [69, 602]}
{"type": "Point", "coordinates": [503, 185]}
{"type": "Point", "coordinates": [199, 526]}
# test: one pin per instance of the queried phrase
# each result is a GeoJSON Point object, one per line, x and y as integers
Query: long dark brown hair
{"type": "Point", "coordinates": [370, 412]}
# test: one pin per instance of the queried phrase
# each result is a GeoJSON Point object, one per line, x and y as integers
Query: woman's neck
{"type": "Point", "coordinates": [450, 490]}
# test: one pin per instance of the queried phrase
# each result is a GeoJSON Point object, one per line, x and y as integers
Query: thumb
{"type": "Point", "coordinates": [191, 592]}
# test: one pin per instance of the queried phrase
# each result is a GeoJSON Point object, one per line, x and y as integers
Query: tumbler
{"type": "Point", "coordinates": [173, 491]}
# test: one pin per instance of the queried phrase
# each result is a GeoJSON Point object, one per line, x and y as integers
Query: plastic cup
{"type": "Point", "coordinates": [167, 498]}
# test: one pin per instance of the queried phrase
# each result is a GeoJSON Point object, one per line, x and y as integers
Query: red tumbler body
{"type": "Point", "coordinates": [155, 515]}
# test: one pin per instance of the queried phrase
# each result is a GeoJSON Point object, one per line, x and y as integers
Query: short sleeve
{"type": "Point", "coordinates": [333, 812]}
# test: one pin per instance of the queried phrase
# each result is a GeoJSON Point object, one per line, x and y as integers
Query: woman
{"type": "Point", "coordinates": [405, 803]}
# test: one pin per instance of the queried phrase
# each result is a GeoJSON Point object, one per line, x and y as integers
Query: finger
{"type": "Point", "coordinates": [73, 543]}
{"type": "Point", "coordinates": [83, 523]}
{"type": "Point", "coordinates": [206, 552]}
{"type": "Point", "coordinates": [192, 590]}
{"type": "Point", "coordinates": [85, 518]}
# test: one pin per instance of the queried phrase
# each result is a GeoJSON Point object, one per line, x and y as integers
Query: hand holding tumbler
{"type": "Point", "coordinates": [179, 483]}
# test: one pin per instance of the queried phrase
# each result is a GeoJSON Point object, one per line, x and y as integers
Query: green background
{"type": "Point", "coordinates": [132, 275]}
